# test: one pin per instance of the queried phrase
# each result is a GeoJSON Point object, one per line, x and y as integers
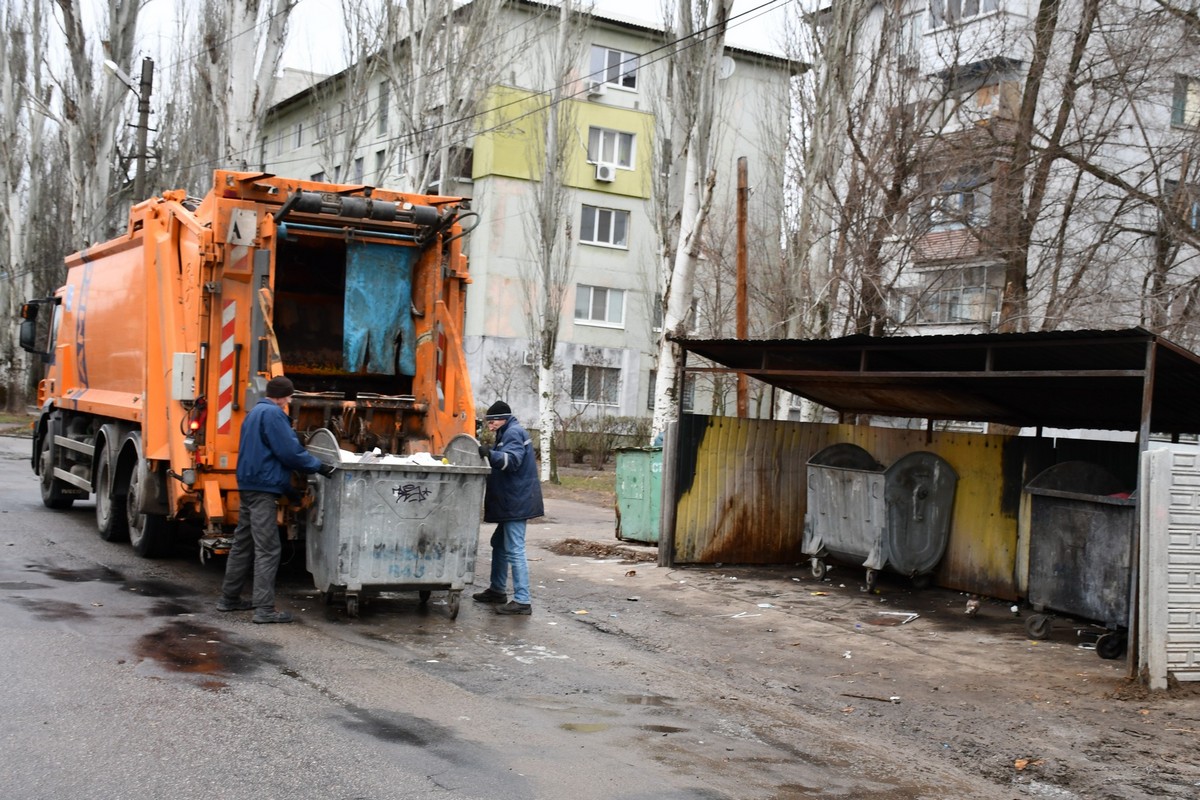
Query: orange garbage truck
{"type": "Point", "coordinates": [164, 337]}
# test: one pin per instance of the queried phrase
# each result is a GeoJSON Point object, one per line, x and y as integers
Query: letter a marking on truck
{"type": "Point", "coordinates": [225, 384]}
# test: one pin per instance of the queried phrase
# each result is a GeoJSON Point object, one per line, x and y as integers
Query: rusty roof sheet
{"type": "Point", "coordinates": [1063, 379]}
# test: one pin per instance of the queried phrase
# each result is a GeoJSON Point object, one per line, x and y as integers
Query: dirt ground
{"type": "Point", "coordinates": [912, 672]}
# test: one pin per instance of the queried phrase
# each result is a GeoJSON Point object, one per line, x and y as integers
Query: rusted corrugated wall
{"type": "Point", "coordinates": [740, 493]}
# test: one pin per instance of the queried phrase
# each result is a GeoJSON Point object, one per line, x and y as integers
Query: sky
{"type": "Point", "coordinates": [314, 46]}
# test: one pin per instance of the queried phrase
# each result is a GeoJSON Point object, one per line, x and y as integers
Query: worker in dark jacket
{"type": "Point", "coordinates": [268, 453]}
{"type": "Point", "coordinates": [513, 496]}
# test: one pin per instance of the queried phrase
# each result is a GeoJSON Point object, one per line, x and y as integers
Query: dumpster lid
{"type": "Point", "coordinates": [1080, 480]}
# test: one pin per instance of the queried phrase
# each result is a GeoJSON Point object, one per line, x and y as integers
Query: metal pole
{"type": "Point", "coordinates": [143, 127]}
{"type": "Point", "coordinates": [743, 193]}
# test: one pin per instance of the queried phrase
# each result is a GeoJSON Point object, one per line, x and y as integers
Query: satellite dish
{"type": "Point", "coordinates": [726, 68]}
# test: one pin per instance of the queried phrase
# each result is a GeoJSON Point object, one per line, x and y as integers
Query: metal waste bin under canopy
{"type": "Point", "coordinates": [391, 524]}
{"type": "Point", "coordinates": [1081, 529]}
{"type": "Point", "coordinates": [896, 518]}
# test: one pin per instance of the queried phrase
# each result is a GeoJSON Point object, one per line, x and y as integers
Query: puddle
{"type": "Point", "coordinates": [21, 586]}
{"type": "Point", "coordinates": [185, 647]}
{"type": "Point", "coordinates": [890, 619]}
{"type": "Point", "coordinates": [662, 729]}
{"type": "Point", "coordinates": [585, 727]}
{"type": "Point", "coordinates": [53, 610]}
{"type": "Point", "coordinates": [78, 575]}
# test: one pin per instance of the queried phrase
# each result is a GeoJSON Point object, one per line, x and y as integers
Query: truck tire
{"type": "Point", "coordinates": [111, 514]}
{"type": "Point", "coordinates": [148, 533]}
{"type": "Point", "coordinates": [53, 489]}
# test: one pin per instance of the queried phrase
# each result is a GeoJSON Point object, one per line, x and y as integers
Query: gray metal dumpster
{"type": "Point", "coordinates": [845, 518]}
{"type": "Point", "coordinates": [380, 526]}
{"type": "Point", "coordinates": [858, 512]}
{"type": "Point", "coordinates": [1081, 530]}
{"type": "Point", "coordinates": [639, 493]}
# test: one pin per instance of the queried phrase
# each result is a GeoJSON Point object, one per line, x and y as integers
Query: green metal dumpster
{"type": "Point", "coordinates": [639, 493]}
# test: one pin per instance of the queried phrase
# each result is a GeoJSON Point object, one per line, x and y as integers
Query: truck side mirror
{"type": "Point", "coordinates": [29, 334]}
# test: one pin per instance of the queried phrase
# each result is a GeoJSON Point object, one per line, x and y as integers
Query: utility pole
{"type": "Point", "coordinates": [147, 83]}
{"type": "Point", "coordinates": [743, 194]}
{"type": "Point", "coordinates": [142, 91]}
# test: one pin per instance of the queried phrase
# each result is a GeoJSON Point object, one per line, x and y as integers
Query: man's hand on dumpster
{"type": "Point", "coordinates": [327, 469]}
{"type": "Point", "coordinates": [485, 452]}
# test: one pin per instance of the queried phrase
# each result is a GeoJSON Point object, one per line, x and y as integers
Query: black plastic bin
{"type": "Point", "coordinates": [1081, 532]}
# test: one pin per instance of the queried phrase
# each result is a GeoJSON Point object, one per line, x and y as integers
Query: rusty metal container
{"type": "Point", "coordinates": [1081, 533]}
{"type": "Point", "coordinates": [379, 526]}
{"type": "Point", "coordinates": [919, 497]}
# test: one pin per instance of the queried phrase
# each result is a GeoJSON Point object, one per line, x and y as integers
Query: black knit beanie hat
{"type": "Point", "coordinates": [498, 410]}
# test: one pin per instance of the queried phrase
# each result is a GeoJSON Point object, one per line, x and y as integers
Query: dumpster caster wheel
{"type": "Point", "coordinates": [818, 568]}
{"type": "Point", "coordinates": [1110, 646]}
{"type": "Point", "coordinates": [351, 606]}
{"type": "Point", "coordinates": [1038, 626]}
{"type": "Point", "coordinates": [922, 581]}
{"type": "Point", "coordinates": [452, 601]}
{"type": "Point", "coordinates": [424, 594]}
{"type": "Point", "coordinates": [872, 578]}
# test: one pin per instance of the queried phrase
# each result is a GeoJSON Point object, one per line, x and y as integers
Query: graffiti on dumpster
{"type": "Point", "coordinates": [410, 493]}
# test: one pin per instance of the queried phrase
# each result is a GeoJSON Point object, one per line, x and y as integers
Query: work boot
{"type": "Point", "coordinates": [488, 595]}
{"type": "Point", "coordinates": [236, 604]}
{"type": "Point", "coordinates": [267, 615]}
{"type": "Point", "coordinates": [524, 609]}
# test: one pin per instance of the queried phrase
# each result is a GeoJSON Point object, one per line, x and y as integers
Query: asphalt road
{"type": "Point", "coordinates": [629, 681]}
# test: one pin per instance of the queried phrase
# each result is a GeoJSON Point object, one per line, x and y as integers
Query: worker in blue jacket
{"type": "Point", "coordinates": [513, 496]}
{"type": "Point", "coordinates": [268, 452]}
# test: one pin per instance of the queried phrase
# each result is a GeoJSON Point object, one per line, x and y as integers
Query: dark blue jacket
{"type": "Point", "coordinates": [270, 451]}
{"type": "Point", "coordinates": [513, 489]}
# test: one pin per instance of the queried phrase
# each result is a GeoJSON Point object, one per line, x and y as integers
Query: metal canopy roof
{"type": "Point", "coordinates": [1062, 379]}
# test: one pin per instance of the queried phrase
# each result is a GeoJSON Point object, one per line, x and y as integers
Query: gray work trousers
{"type": "Point", "coordinates": [255, 542]}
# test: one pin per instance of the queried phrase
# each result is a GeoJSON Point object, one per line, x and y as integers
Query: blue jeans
{"type": "Point", "coordinates": [508, 550]}
{"type": "Point", "coordinates": [255, 541]}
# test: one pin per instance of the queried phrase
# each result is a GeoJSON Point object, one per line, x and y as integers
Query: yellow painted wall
{"type": "Point", "coordinates": [511, 140]}
{"type": "Point", "coordinates": [746, 499]}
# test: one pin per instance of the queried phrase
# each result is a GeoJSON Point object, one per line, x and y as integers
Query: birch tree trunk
{"type": "Point", "coordinates": [548, 271]}
{"type": "Point", "coordinates": [698, 90]}
{"type": "Point", "coordinates": [246, 68]}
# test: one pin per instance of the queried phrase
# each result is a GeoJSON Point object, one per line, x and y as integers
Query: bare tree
{"type": "Point", "coordinates": [695, 65]}
{"type": "Point", "coordinates": [547, 272]}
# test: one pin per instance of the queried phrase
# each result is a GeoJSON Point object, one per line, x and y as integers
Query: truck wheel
{"type": "Point", "coordinates": [52, 488]}
{"type": "Point", "coordinates": [147, 532]}
{"type": "Point", "coordinates": [111, 519]}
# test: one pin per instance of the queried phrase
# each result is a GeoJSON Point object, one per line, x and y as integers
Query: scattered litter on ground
{"type": "Point", "coordinates": [892, 699]}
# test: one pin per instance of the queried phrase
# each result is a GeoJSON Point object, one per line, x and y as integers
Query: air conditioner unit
{"type": "Point", "coordinates": [596, 88]}
{"type": "Point", "coordinates": [527, 358]}
{"type": "Point", "coordinates": [606, 173]}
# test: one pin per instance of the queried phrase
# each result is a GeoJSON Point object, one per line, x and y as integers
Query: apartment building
{"type": "Point", "coordinates": [1009, 165]}
{"type": "Point", "coordinates": [615, 103]}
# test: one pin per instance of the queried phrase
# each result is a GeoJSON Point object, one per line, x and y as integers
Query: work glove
{"type": "Point", "coordinates": [485, 452]}
{"type": "Point", "coordinates": [327, 470]}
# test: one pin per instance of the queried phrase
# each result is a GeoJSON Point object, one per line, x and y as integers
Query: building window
{"type": "Point", "coordinates": [337, 174]}
{"type": "Point", "coordinates": [1185, 202]}
{"type": "Point", "coordinates": [380, 165]}
{"type": "Point", "coordinates": [599, 306]}
{"type": "Point", "coordinates": [595, 384]}
{"type": "Point", "coordinates": [382, 127]}
{"type": "Point", "coordinates": [318, 177]}
{"type": "Point", "coordinates": [299, 135]}
{"type": "Point", "coordinates": [650, 391]}
{"type": "Point", "coordinates": [947, 12]}
{"type": "Point", "coordinates": [962, 199]}
{"type": "Point", "coordinates": [1185, 102]}
{"type": "Point", "coordinates": [610, 147]}
{"type": "Point", "coordinates": [462, 166]}
{"type": "Point", "coordinates": [614, 67]}
{"type": "Point", "coordinates": [908, 45]}
{"type": "Point", "coordinates": [358, 170]}
{"type": "Point", "coordinates": [954, 295]}
{"type": "Point", "coordinates": [687, 399]}
{"type": "Point", "coordinates": [606, 226]}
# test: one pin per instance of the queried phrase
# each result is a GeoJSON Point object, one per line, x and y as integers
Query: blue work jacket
{"type": "Point", "coordinates": [513, 490]}
{"type": "Point", "coordinates": [270, 451]}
